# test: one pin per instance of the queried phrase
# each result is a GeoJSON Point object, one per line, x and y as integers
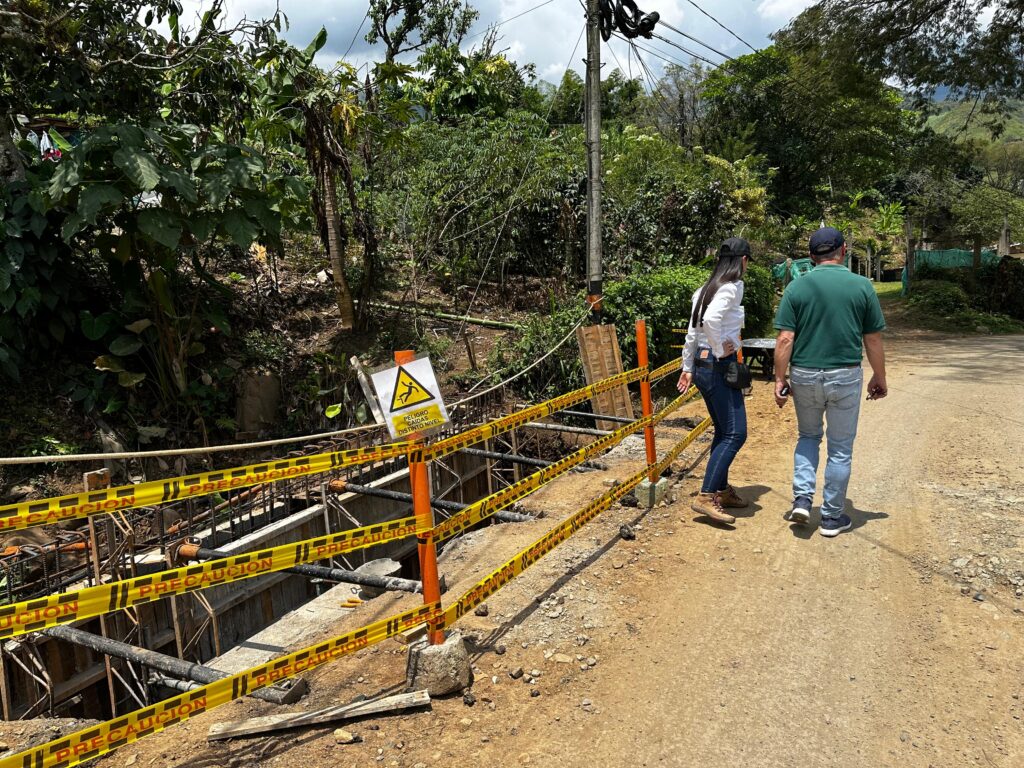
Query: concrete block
{"type": "Point", "coordinates": [439, 669]}
{"type": "Point", "coordinates": [651, 494]}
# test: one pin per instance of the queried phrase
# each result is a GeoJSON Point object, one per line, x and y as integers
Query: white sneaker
{"type": "Point", "coordinates": [800, 514]}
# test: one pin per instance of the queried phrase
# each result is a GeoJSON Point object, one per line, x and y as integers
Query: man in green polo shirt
{"type": "Point", "coordinates": [826, 319]}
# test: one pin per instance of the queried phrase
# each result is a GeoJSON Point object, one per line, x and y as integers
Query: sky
{"type": "Point", "coordinates": [544, 37]}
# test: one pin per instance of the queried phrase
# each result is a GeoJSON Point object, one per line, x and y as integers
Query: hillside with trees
{"type": "Point", "coordinates": [224, 206]}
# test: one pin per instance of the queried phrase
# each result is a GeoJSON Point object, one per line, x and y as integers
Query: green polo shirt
{"type": "Point", "coordinates": [829, 309]}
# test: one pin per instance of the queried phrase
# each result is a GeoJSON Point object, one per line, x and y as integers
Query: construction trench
{"type": "Point", "coordinates": [105, 666]}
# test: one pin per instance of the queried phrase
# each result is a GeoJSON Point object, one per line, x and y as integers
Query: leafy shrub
{"type": "Point", "coordinates": [939, 297]}
{"type": "Point", "coordinates": [558, 373]}
{"type": "Point", "coordinates": [948, 306]}
{"type": "Point", "coordinates": [759, 301]}
{"type": "Point", "coordinates": [662, 298]}
{"type": "Point", "coordinates": [1004, 291]}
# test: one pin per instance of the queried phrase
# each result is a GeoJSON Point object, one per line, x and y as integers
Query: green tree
{"type": "Point", "coordinates": [962, 45]}
{"type": "Point", "coordinates": [114, 249]}
{"type": "Point", "coordinates": [979, 213]}
{"type": "Point", "coordinates": [567, 106]}
{"type": "Point", "coordinates": [823, 134]}
{"type": "Point", "coordinates": [414, 25]}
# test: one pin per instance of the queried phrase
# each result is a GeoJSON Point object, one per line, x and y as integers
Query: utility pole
{"type": "Point", "coordinates": [593, 122]}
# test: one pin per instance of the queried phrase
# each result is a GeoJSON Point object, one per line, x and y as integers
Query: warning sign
{"type": "Point", "coordinates": [410, 398]}
{"type": "Point", "coordinates": [408, 392]}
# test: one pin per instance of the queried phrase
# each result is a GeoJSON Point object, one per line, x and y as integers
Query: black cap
{"type": "Point", "coordinates": [826, 240]}
{"type": "Point", "coordinates": [733, 248]}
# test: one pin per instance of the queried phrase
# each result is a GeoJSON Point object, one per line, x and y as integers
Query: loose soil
{"type": "Point", "coordinates": [762, 644]}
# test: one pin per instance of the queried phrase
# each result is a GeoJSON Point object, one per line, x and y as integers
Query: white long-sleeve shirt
{"type": "Point", "coordinates": [723, 322]}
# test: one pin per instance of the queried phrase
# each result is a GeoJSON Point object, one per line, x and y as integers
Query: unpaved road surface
{"type": "Point", "coordinates": [760, 645]}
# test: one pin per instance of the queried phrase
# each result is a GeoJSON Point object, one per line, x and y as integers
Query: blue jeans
{"type": "Point", "coordinates": [832, 396]}
{"type": "Point", "coordinates": [729, 415]}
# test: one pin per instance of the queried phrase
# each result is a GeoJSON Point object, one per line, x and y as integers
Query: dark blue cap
{"type": "Point", "coordinates": [826, 240]}
{"type": "Point", "coordinates": [734, 247]}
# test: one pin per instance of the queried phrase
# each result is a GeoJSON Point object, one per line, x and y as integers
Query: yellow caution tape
{"type": "Point", "coordinates": [33, 615]}
{"type": "Point", "coordinates": [531, 554]}
{"type": "Point", "coordinates": [92, 742]}
{"type": "Point", "coordinates": [667, 368]}
{"type": "Point", "coordinates": [484, 508]}
{"type": "Point", "coordinates": [519, 418]}
{"type": "Point", "coordinates": [58, 509]}
{"type": "Point", "coordinates": [691, 394]}
{"type": "Point", "coordinates": [61, 508]}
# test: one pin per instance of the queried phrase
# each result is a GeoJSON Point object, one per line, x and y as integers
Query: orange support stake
{"type": "Point", "coordinates": [645, 395]}
{"type": "Point", "coordinates": [419, 482]}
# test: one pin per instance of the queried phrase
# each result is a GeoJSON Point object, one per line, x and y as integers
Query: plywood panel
{"type": "Point", "coordinates": [599, 349]}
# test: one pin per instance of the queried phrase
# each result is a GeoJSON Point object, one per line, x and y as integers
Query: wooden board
{"type": "Point", "coordinates": [599, 349]}
{"type": "Point", "coordinates": [269, 723]}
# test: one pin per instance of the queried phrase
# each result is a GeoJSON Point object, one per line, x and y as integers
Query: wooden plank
{"type": "Point", "coordinates": [270, 723]}
{"type": "Point", "coordinates": [599, 351]}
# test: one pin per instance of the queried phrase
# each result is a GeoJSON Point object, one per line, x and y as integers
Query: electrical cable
{"type": "Point", "coordinates": [648, 76]}
{"type": "Point", "coordinates": [365, 17]}
{"type": "Point", "coordinates": [510, 18]}
{"type": "Point", "coordinates": [532, 365]}
{"type": "Point", "coordinates": [698, 41]}
{"type": "Point", "coordinates": [699, 8]}
{"type": "Point", "coordinates": [687, 51]}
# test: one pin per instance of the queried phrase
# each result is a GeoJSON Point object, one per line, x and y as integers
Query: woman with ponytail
{"type": "Point", "coordinates": [712, 341]}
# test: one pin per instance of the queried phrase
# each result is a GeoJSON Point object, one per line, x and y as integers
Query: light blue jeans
{"type": "Point", "coordinates": [833, 397]}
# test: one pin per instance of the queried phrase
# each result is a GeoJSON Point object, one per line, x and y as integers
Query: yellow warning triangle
{"type": "Point", "coordinates": [408, 392]}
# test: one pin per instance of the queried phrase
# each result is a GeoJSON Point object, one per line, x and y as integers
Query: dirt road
{"type": "Point", "coordinates": [762, 645]}
{"type": "Point", "coordinates": [788, 649]}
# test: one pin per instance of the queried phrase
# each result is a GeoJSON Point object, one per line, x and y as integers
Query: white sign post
{"type": "Point", "coordinates": [410, 398]}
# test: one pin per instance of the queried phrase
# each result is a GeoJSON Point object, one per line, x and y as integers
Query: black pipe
{"type": "Point", "coordinates": [443, 504]}
{"type": "Point", "coordinates": [566, 428]}
{"type": "Point", "coordinates": [598, 417]}
{"type": "Point", "coordinates": [158, 661]}
{"type": "Point", "coordinates": [392, 583]}
{"type": "Point", "coordinates": [527, 460]}
{"type": "Point", "coordinates": [383, 493]}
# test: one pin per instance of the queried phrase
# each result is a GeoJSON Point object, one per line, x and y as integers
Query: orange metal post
{"type": "Point", "coordinates": [419, 482]}
{"type": "Point", "coordinates": [645, 395]}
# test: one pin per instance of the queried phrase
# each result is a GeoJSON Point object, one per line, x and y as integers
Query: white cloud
{"type": "Point", "coordinates": [544, 36]}
{"type": "Point", "coordinates": [780, 12]}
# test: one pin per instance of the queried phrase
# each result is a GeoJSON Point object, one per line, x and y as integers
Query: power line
{"type": "Point", "coordinates": [696, 40]}
{"type": "Point", "coordinates": [687, 51]}
{"type": "Point", "coordinates": [695, 5]}
{"type": "Point", "coordinates": [673, 120]}
{"type": "Point", "coordinates": [658, 54]}
{"type": "Point", "coordinates": [361, 23]}
{"type": "Point", "coordinates": [510, 18]}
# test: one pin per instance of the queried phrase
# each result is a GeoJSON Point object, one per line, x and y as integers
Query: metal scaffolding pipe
{"type": "Point", "coordinates": [597, 416]}
{"type": "Point", "coordinates": [564, 428]}
{"type": "Point", "coordinates": [448, 506]}
{"type": "Point", "coordinates": [392, 583]}
{"type": "Point", "coordinates": [159, 661]}
{"type": "Point", "coordinates": [515, 458]}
